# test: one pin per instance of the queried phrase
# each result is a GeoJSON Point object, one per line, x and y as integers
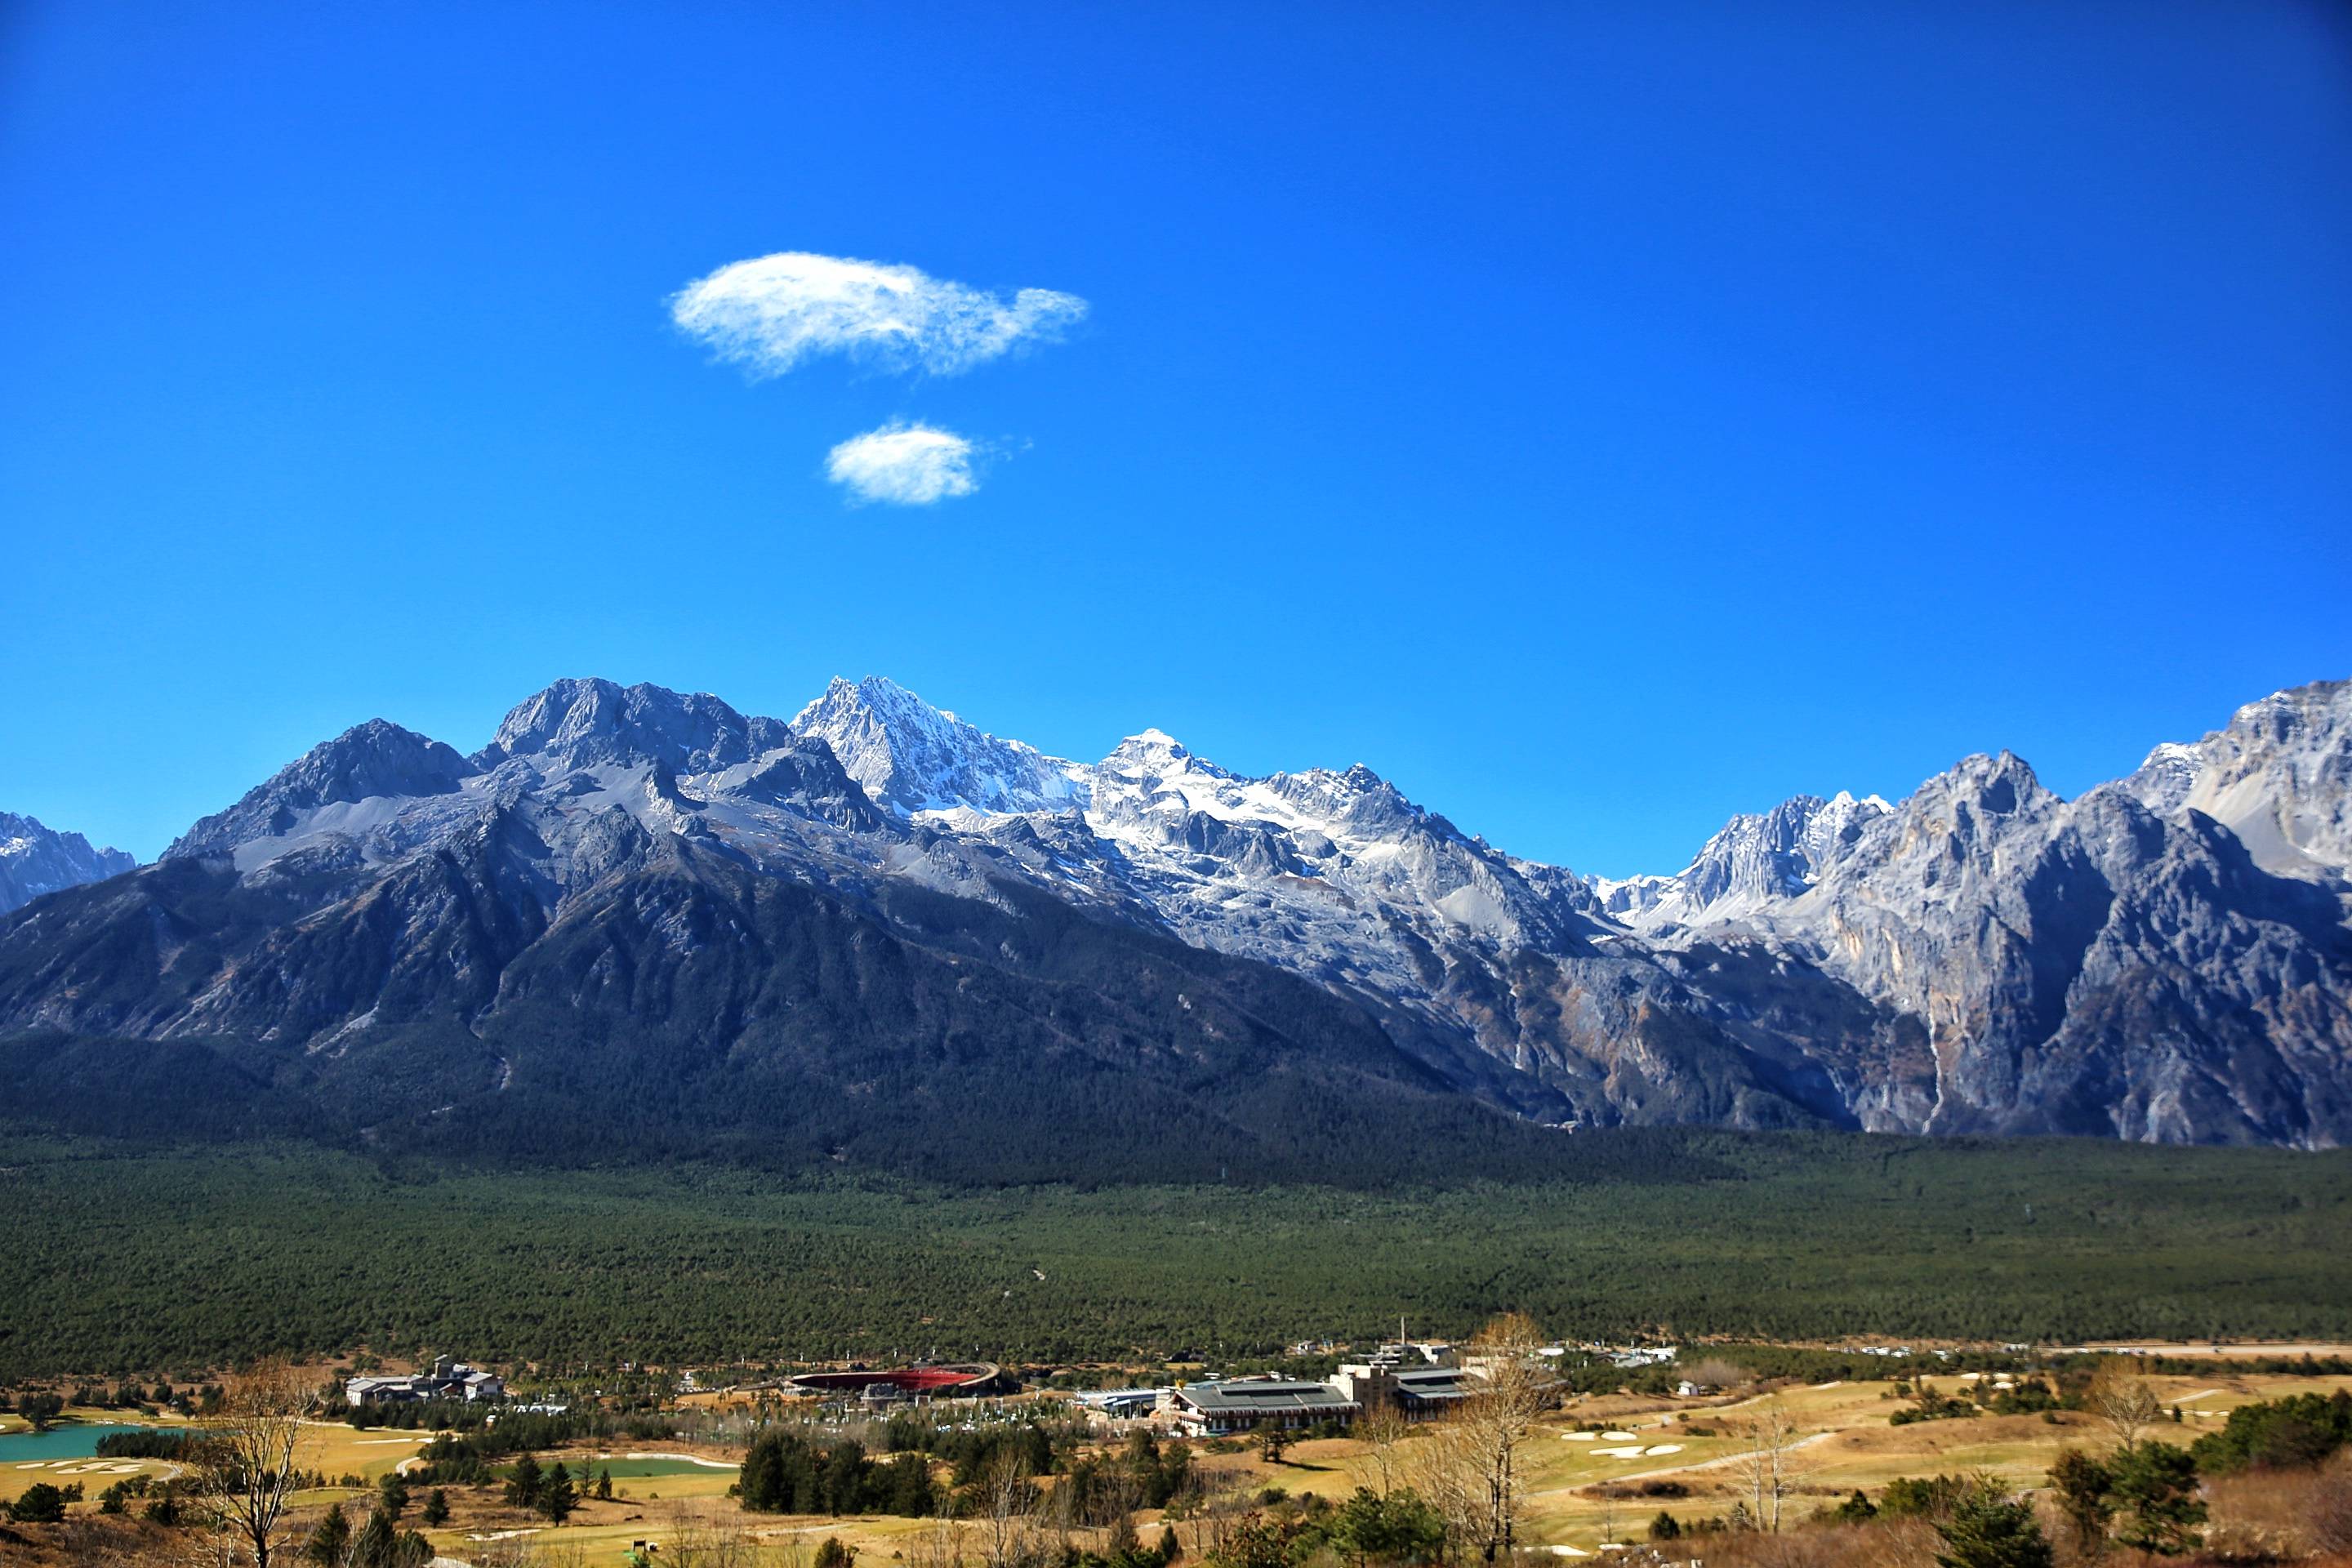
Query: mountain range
{"type": "Point", "coordinates": [640, 921]}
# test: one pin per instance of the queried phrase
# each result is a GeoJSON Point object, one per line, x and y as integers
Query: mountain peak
{"type": "Point", "coordinates": [1148, 750]}
{"type": "Point", "coordinates": [36, 858]}
{"type": "Point", "coordinates": [910, 756]}
{"type": "Point", "coordinates": [1753, 860]}
{"type": "Point", "coordinates": [587, 723]}
{"type": "Point", "coordinates": [376, 760]}
{"type": "Point", "coordinates": [2279, 775]}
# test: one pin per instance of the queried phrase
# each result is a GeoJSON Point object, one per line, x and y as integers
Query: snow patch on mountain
{"type": "Point", "coordinates": [36, 858]}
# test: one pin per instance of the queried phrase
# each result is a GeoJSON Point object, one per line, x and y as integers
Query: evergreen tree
{"type": "Point", "coordinates": [1271, 1441]}
{"type": "Point", "coordinates": [2084, 1488]}
{"type": "Point", "coordinates": [1398, 1528]}
{"type": "Point", "coordinates": [2156, 1485]}
{"type": "Point", "coordinates": [523, 1488]}
{"type": "Point", "coordinates": [604, 1484]}
{"type": "Point", "coordinates": [834, 1554]}
{"type": "Point", "coordinates": [1987, 1528]}
{"type": "Point", "coordinates": [558, 1497]}
{"type": "Point", "coordinates": [377, 1545]}
{"type": "Point", "coordinates": [1857, 1508]}
{"type": "Point", "coordinates": [437, 1507]}
{"type": "Point", "coordinates": [1665, 1527]}
{"type": "Point", "coordinates": [328, 1538]}
{"type": "Point", "coordinates": [392, 1495]}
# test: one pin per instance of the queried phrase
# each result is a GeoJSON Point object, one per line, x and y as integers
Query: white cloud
{"type": "Point", "coordinates": [903, 465]}
{"type": "Point", "coordinates": [770, 313]}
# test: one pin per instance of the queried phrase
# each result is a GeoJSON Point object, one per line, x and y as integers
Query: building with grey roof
{"type": "Point", "coordinates": [1246, 1404]}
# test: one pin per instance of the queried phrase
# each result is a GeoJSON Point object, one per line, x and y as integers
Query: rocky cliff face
{"type": "Point", "coordinates": [409, 929]}
{"type": "Point", "coordinates": [2088, 966]}
{"type": "Point", "coordinates": [2279, 778]}
{"type": "Point", "coordinates": [1751, 864]}
{"type": "Point", "coordinates": [36, 860]}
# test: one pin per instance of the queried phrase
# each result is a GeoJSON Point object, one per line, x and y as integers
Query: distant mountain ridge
{"type": "Point", "coordinates": [36, 860]}
{"type": "Point", "coordinates": [644, 911]}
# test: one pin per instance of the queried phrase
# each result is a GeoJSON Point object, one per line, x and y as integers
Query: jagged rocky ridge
{"type": "Point", "coordinates": [36, 860]}
{"type": "Point", "coordinates": [644, 914]}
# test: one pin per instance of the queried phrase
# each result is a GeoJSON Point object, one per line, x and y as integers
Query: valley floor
{"type": "Point", "coordinates": [676, 1497]}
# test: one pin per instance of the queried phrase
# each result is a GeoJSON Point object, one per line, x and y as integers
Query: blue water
{"type": "Point", "coordinates": [74, 1442]}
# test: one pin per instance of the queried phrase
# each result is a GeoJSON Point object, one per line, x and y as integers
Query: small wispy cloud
{"type": "Point", "coordinates": [904, 463]}
{"type": "Point", "coordinates": [770, 313]}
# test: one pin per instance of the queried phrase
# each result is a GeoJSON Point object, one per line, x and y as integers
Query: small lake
{"type": "Point", "coordinates": [76, 1441]}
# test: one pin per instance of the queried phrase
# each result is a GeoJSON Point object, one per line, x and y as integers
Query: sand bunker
{"type": "Point", "coordinates": [1618, 1437]}
{"type": "Point", "coordinates": [1632, 1453]}
{"type": "Point", "coordinates": [1664, 1448]}
{"type": "Point", "coordinates": [1579, 1436]}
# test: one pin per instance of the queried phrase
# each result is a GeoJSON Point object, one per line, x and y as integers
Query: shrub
{"type": "Point", "coordinates": [40, 1503]}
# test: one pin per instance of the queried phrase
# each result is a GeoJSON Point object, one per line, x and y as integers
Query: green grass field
{"type": "Point", "coordinates": [116, 1260]}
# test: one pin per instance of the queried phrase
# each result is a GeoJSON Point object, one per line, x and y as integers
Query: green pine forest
{"type": "Point", "coordinates": [119, 1259]}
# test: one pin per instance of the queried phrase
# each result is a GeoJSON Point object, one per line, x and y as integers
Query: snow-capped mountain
{"type": "Point", "coordinates": [35, 860]}
{"type": "Point", "coordinates": [1751, 862]}
{"type": "Point", "coordinates": [912, 757]}
{"type": "Point", "coordinates": [736, 917]}
{"type": "Point", "coordinates": [2279, 778]}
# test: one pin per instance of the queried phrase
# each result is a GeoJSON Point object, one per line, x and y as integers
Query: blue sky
{"type": "Point", "coordinates": [1600, 419]}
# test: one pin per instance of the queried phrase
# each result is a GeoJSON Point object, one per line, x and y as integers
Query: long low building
{"type": "Point", "coordinates": [1120, 1401]}
{"type": "Point", "coordinates": [1416, 1393]}
{"type": "Point", "coordinates": [929, 1379]}
{"type": "Point", "coordinates": [1246, 1405]}
{"type": "Point", "coordinates": [448, 1380]}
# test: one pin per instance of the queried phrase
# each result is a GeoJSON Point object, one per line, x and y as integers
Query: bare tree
{"type": "Point", "coordinates": [938, 1545]}
{"type": "Point", "coordinates": [243, 1461]}
{"type": "Point", "coordinates": [1717, 1372]}
{"type": "Point", "coordinates": [699, 1542]}
{"type": "Point", "coordinates": [1469, 1467]}
{"type": "Point", "coordinates": [1007, 1494]}
{"type": "Point", "coordinates": [1382, 1431]}
{"type": "Point", "coordinates": [1769, 1466]}
{"type": "Point", "coordinates": [2123, 1400]}
{"type": "Point", "coordinates": [2327, 1515]}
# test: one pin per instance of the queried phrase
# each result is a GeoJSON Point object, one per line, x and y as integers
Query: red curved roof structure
{"type": "Point", "coordinates": [968, 1378]}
